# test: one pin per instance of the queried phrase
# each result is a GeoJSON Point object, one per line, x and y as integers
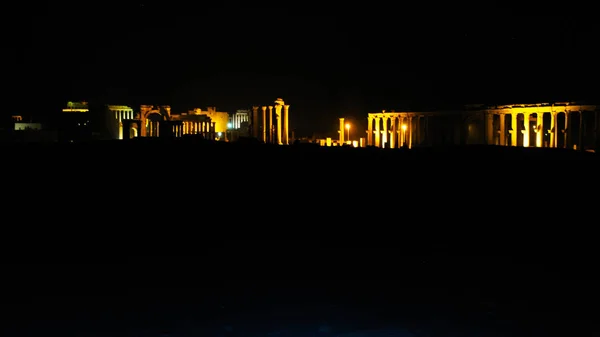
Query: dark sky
{"type": "Point", "coordinates": [325, 60]}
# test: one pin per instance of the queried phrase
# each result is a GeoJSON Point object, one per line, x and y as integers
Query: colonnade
{"type": "Point", "coordinates": [176, 128]}
{"type": "Point", "coordinates": [120, 115]}
{"type": "Point", "coordinates": [238, 118]}
{"type": "Point", "coordinates": [394, 129]}
{"type": "Point", "coordinates": [198, 127]}
{"type": "Point", "coordinates": [278, 132]}
{"type": "Point", "coordinates": [562, 125]}
{"type": "Point", "coordinates": [538, 125]}
{"type": "Point", "coordinates": [151, 128]}
{"type": "Point", "coordinates": [157, 128]}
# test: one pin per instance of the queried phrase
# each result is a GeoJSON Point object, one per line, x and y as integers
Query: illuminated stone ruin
{"type": "Point", "coordinates": [219, 118]}
{"type": "Point", "coordinates": [159, 121]}
{"type": "Point", "coordinates": [240, 119]}
{"type": "Point", "coordinates": [117, 115]}
{"type": "Point", "coordinates": [151, 117]}
{"type": "Point", "coordinates": [277, 133]}
{"type": "Point", "coordinates": [341, 130]}
{"type": "Point", "coordinates": [197, 122]}
{"type": "Point", "coordinates": [557, 125]}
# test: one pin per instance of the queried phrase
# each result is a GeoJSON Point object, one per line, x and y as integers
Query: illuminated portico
{"type": "Point", "coordinates": [196, 123]}
{"type": "Point", "coordinates": [395, 129]}
{"type": "Point", "coordinates": [561, 125]}
{"type": "Point", "coordinates": [239, 119]}
{"type": "Point", "coordinates": [557, 125]}
{"type": "Point", "coordinates": [117, 115]}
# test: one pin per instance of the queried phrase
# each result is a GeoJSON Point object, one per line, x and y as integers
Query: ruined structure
{"type": "Point", "coordinates": [558, 125]}
{"type": "Point", "coordinates": [278, 132]}
{"type": "Point", "coordinates": [116, 115]}
{"type": "Point", "coordinates": [195, 122]}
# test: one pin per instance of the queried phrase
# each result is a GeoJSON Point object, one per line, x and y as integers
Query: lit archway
{"type": "Point", "coordinates": [133, 132]}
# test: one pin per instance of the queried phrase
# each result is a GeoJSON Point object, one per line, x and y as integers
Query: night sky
{"type": "Point", "coordinates": [326, 61]}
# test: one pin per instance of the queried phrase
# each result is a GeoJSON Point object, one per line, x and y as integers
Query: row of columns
{"type": "Point", "coordinates": [405, 129]}
{"type": "Point", "coordinates": [153, 128]}
{"type": "Point", "coordinates": [276, 133]}
{"type": "Point", "coordinates": [177, 130]}
{"type": "Point", "coordinates": [198, 127]}
{"type": "Point", "coordinates": [237, 119]}
{"type": "Point", "coordinates": [341, 131]}
{"type": "Point", "coordinates": [394, 130]}
{"type": "Point", "coordinates": [121, 115]}
{"type": "Point", "coordinates": [538, 127]}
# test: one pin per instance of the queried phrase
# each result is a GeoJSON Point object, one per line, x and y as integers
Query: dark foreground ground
{"type": "Point", "coordinates": [191, 239]}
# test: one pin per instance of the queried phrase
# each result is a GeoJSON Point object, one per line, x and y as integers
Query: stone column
{"type": "Point", "coordinates": [400, 132]}
{"type": "Point", "coordinates": [526, 129]}
{"type": "Point", "coordinates": [568, 134]}
{"type": "Point", "coordinates": [286, 125]}
{"type": "Point", "coordinates": [539, 137]}
{"type": "Point", "coordinates": [410, 131]}
{"type": "Point", "coordinates": [270, 124]}
{"type": "Point", "coordinates": [370, 131]}
{"type": "Point", "coordinates": [278, 116]}
{"type": "Point", "coordinates": [377, 132]}
{"type": "Point", "coordinates": [514, 128]}
{"type": "Point", "coordinates": [264, 123]}
{"type": "Point", "coordinates": [393, 134]}
{"type": "Point", "coordinates": [341, 131]}
{"type": "Point", "coordinates": [502, 139]}
{"type": "Point", "coordinates": [553, 128]}
{"type": "Point", "coordinates": [385, 132]}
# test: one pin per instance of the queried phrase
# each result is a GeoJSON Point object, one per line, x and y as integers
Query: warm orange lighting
{"type": "Point", "coordinates": [403, 127]}
{"type": "Point", "coordinates": [348, 128]}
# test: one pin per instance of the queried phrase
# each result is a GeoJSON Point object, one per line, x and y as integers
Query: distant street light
{"type": "Point", "coordinates": [403, 134]}
{"type": "Point", "coordinates": [348, 128]}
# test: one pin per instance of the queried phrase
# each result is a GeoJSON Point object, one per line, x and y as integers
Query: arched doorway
{"type": "Point", "coordinates": [151, 123]}
{"type": "Point", "coordinates": [133, 132]}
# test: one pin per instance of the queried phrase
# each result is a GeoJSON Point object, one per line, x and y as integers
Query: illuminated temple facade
{"type": "Point", "coordinates": [558, 125]}
{"type": "Point", "coordinates": [159, 121]}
